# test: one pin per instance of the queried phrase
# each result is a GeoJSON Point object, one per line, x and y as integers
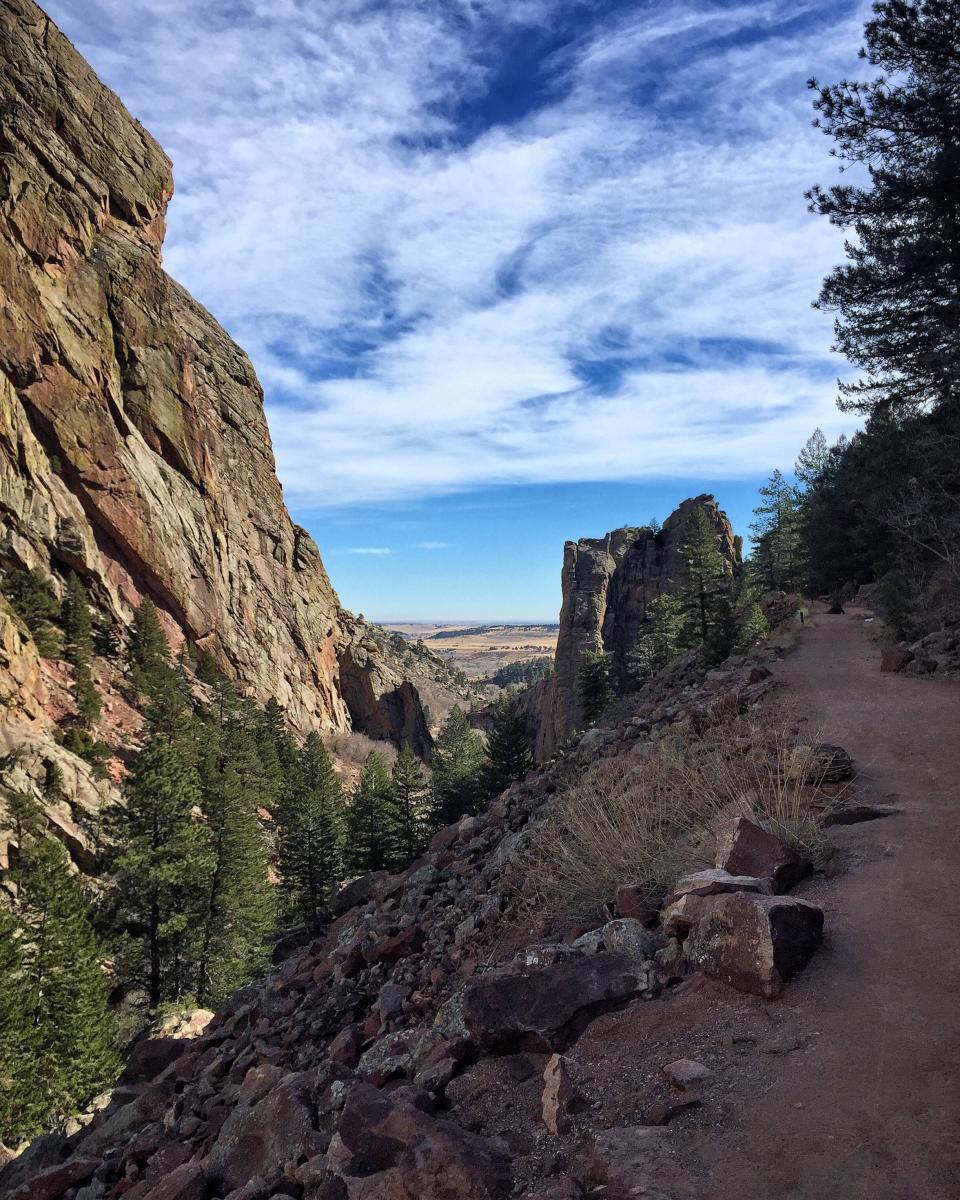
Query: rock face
{"type": "Point", "coordinates": [133, 443]}
{"type": "Point", "coordinates": [607, 584]}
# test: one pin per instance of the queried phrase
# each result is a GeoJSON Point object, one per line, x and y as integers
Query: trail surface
{"type": "Point", "coordinates": [874, 1110]}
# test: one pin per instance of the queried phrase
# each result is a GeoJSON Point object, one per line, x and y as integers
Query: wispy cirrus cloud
{"type": "Point", "coordinates": [371, 551]}
{"type": "Point", "coordinates": [432, 545]}
{"type": "Point", "coordinates": [472, 241]}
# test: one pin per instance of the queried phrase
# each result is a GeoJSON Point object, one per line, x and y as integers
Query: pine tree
{"type": "Point", "coordinates": [238, 907]}
{"type": "Point", "coordinates": [33, 600]}
{"type": "Point", "coordinates": [898, 296]}
{"type": "Point", "coordinates": [311, 833]}
{"type": "Point", "coordinates": [160, 863]}
{"type": "Point", "coordinates": [148, 652]}
{"type": "Point", "coordinates": [777, 559]}
{"type": "Point", "coordinates": [370, 840]}
{"type": "Point", "coordinates": [77, 649]}
{"type": "Point", "coordinates": [71, 1036]}
{"type": "Point", "coordinates": [660, 640]}
{"type": "Point", "coordinates": [56, 1037]}
{"type": "Point", "coordinates": [812, 460]}
{"type": "Point", "coordinates": [18, 1119]}
{"type": "Point", "coordinates": [457, 765]}
{"type": "Point", "coordinates": [406, 806]}
{"type": "Point", "coordinates": [594, 683]}
{"type": "Point", "coordinates": [702, 578]}
{"type": "Point", "coordinates": [509, 756]}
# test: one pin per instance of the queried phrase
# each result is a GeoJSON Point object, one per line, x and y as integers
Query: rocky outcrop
{"type": "Point", "coordinates": [607, 584]}
{"type": "Point", "coordinates": [134, 448]}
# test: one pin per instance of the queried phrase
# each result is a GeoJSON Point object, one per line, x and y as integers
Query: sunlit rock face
{"type": "Point", "coordinates": [607, 584]}
{"type": "Point", "coordinates": [133, 443]}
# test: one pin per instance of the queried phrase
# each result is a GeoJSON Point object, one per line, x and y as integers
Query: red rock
{"type": "Point", "coordinates": [52, 1183]}
{"type": "Point", "coordinates": [345, 1047]}
{"type": "Point", "coordinates": [559, 1095]}
{"type": "Point", "coordinates": [743, 848]}
{"type": "Point", "coordinates": [894, 658]}
{"type": "Point", "coordinates": [534, 1007]}
{"type": "Point", "coordinates": [632, 901]}
{"type": "Point", "coordinates": [387, 1148]}
{"type": "Point", "coordinates": [392, 949]}
{"type": "Point", "coordinates": [755, 943]}
{"type": "Point", "coordinates": [184, 1183]}
{"type": "Point", "coordinates": [258, 1139]}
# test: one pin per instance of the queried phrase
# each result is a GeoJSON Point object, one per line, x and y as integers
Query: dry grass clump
{"type": "Point", "coordinates": [649, 816]}
{"type": "Point", "coordinates": [353, 749]}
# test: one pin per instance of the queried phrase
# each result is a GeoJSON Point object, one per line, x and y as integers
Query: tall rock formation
{"type": "Point", "coordinates": [133, 443]}
{"type": "Point", "coordinates": [607, 584]}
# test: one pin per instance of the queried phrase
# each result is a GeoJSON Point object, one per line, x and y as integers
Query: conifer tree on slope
{"type": "Point", "coordinates": [311, 834]}
{"type": "Point", "coordinates": [160, 858]}
{"type": "Point", "coordinates": [457, 764]}
{"type": "Point", "coordinates": [701, 576]}
{"type": "Point", "coordinates": [53, 997]}
{"type": "Point", "coordinates": [594, 683]}
{"type": "Point", "coordinates": [77, 649]}
{"type": "Point", "coordinates": [407, 806]}
{"type": "Point", "coordinates": [371, 836]}
{"type": "Point", "coordinates": [238, 904]}
{"type": "Point", "coordinates": [509, 756]}
{"type": "Point", "coordinates": [661, 638]}
{"type": "Point", "coordinates": [777, 558]}
{"type": "Point", "coordinates": [148, 652]}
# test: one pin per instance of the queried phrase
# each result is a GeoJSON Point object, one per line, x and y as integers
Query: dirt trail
{"type": "Point", "coordinates": [873, 1111]}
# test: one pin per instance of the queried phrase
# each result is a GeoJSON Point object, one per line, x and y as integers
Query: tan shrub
{"type": "Point", "coordinates": [650, 815]}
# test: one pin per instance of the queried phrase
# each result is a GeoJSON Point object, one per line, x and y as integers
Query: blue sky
{"type": "Point", "coordinates": [511, 271]}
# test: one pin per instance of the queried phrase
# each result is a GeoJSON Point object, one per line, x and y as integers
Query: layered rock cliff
{"type": "Point", "coordinates": [606, 585]}
{"type": "Point", "coordinates": [134, 448]}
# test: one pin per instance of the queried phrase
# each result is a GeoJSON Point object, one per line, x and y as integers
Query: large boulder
{"type": "Point", "coordinates": [257, 1139]}
{"type": "Point", "coordinates": [755, 943]}
{"type": "Point", "coordinates": [533, 1008]}
{"type": "Point", "coordinates": [391, 1147]}
{"type": "Point", "coordinates": [743, 848]}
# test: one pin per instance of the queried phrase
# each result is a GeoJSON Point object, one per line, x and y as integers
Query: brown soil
{"type": "Point", "coordinates": [870, 1108]}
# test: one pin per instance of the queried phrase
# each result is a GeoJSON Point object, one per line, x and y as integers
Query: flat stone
{"type": "Point", "coordinates": [687, 1073]}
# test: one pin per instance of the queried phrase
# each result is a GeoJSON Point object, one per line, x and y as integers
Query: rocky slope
{"type": "Point", "coordinates": [606, 585]}
{"type": "Point", "coordinates": [133, 443]}
{"type": "Point", "coordinates": [424, 1045]}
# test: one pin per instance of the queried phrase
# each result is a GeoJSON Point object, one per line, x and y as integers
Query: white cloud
{"type": "Point", "coordinates": [375, 551]}
{"type": "Point", "coordinates": [616, 286]}
{"type": "Point", "coordinates": [432, 545]}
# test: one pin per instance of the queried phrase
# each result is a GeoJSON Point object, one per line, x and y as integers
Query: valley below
{"type": "Point", "coordinates": [480, 649]}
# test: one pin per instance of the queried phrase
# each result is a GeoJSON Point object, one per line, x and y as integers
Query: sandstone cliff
{"type": "Point", "coordinates": [133, 443]}
{"type": "Point", "coordinates": [606, 585]}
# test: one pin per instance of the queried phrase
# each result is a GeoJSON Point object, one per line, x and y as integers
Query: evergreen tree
{"type": "Point", "coordinates": [311, 833]}
{"type": "Point", "coordinates": [594, 683]}
{"type": "Point", "coordinates": [238, 907]}
{"type": "Point", "coordinates": [702, 576]}
{"type": "Point", "coordinates": [77, 649]}
{"type": "Point", "coordinates": [18, 1118]}
{"type": "Point", "coordinates": [660, 640]}
{"type": "Point", "coordinates": [812, 460]}
{"type": "Point", "coordinates": [457, 765]}
{"type": "Point", "coordinates": [371, 841]}
{"type": "Point", "coordinates": [778, 558]}
{"type": "Point", "coordinates": [33, 600]}
{"type": "Point", "coordinates": [406, 805]}
{"type": "Point", "coordinates": [509, 756]}
{"type": "Point", "coordinates": [71, 1036]}
{"type": "Point", "coordinates": [751, 624]}
{"type": "Point", "coordinates": [148, 652]}
{"type": "Point", "coordinates": [56, 1036]}
{"type": "Point", "coordinates": [898, 296]}
{"type": "Point", "coordinates": [161, 860]}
